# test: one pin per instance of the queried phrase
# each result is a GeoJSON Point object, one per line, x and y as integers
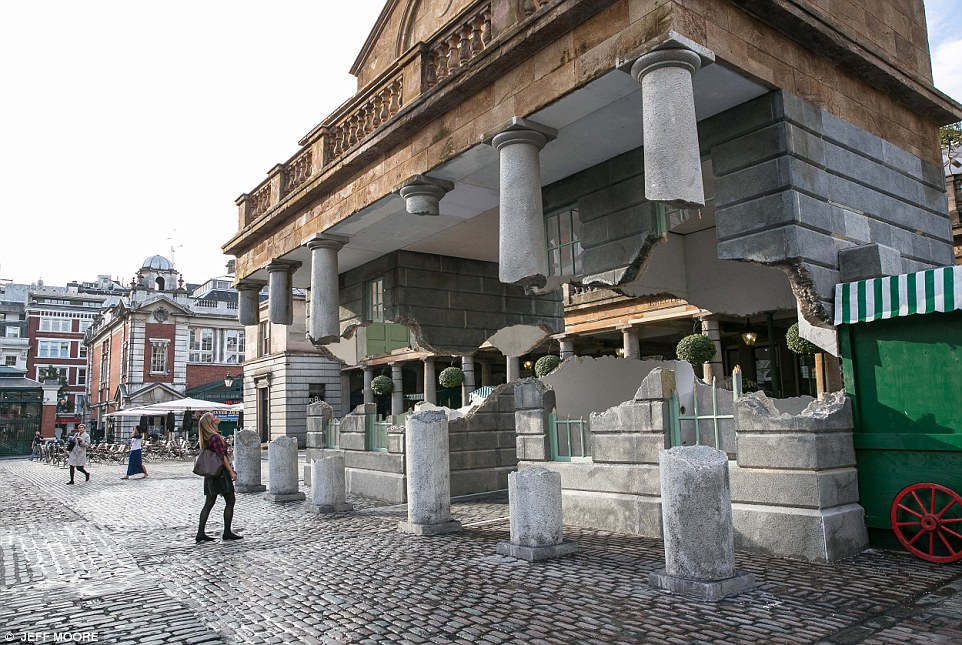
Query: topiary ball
{"type": "Point", "coordinates": [545, 365]}
{"type": "Point", "coordinates": [798, 344]}
{"type": "Point", "coordinates": [451, 377]}
{"type": "Point", "coordinates": [382, 385]}
{"type": "Point", "coordinates": [696, 349]}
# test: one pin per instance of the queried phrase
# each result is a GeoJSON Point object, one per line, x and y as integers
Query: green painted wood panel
{"type": "Point", "coordinates": [383, 338]}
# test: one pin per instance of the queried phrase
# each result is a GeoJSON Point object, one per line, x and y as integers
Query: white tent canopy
{"type": "Point", "coordinates": [180, 405]}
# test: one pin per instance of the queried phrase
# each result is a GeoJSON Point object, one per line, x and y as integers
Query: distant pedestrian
{"type": "Point", "coordinates": [78, 454]}
{"type": "Point", "coordinates": [135, 461]}
{"type": "Point", "coordinates": [36, 447]}
{"type": "Point", "coordinates": [223, 484]}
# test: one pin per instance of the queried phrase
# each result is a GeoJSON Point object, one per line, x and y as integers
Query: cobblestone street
{"type": "Point", "coordinates": [115, 561]}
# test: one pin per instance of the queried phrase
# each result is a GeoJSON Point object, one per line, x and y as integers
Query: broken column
{"type": "Point", "coordinates": [368, 378]}
{"type": "Point", "coordinates": [428, 475]}
{"type": "Point", "coordinates": [247, 462]}
{"type": "Point", "coordinates": [327, 486]}
{"type": "Point", "coordinates": [282, 471]}
{"type": "Point", "coordinates": [696, 510]}
{"type": "Point", "coordinates": [467, 366]}
{"type": "Point", "coordinates": [534, 497]}
{"type": "Point", "coordinates": [523, 258]}
{"type": "Point", "coordinates": [422, 194]}
{"type": "Point", "coordinates": [280, 301]}
{"type": "Point", "coordinates": [324, 324]}
{"type": "Point", "coordinates": [248, 303]}
{"type": "Point", "coordinates": [672, 154]}
{"type": "Point", "coordinates": [397, 394]}
{"type": "Point", "coordinates": [630, 344]}
{"type": "Point", "coordinates": [430, 381]}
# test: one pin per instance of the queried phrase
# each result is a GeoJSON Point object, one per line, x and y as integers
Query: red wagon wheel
{"type": "Point", "coordinates": [927, 520]}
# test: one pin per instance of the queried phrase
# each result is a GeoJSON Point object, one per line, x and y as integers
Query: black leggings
{"type": "Point", "coordinates": [81, 469]}
{"type": "Point", "coordinates": [229, 498]}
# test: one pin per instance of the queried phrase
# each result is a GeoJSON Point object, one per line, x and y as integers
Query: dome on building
{"type": "Point", "coordinates": [158, 263]}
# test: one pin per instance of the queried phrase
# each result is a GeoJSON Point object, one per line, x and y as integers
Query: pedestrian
{"type": "Point", "coordinates": [223, 484]}
{"type": "Point", "coordinates": [78, 454]}
{"type": "Point", "coordinates": [135, 461]}
{"type": "Point", "coordinates": [36, 446]}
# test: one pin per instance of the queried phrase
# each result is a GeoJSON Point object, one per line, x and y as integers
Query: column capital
{"type": "Point", "coordinates": [422, 194]}
{"type": "Point", "coordinates": [674, 50]}
{"type": "Point", "coordinates": [250, 285]}
{"type": "Point", "coordinates": [520, 130]}
{"type": "Point", "coordinates": [282, 265]}
{"type": "Point", "coordinates": [325, 241]}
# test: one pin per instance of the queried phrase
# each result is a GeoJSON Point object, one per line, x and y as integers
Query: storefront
{"type": "Point", "coordinates": [21, 404]}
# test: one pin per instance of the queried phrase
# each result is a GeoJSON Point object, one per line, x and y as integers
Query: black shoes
{"type": "Point", "coordinates": [203, 537]}
{"type": "Point", "coordinates": [70, 482]}
{"type": "Point", "coordinates": [87, 475]}
{"type": "Point", "coordinates": [232, 536]}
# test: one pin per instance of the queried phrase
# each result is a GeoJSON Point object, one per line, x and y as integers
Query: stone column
{"type": "Point", "coordinates": [523, 257]}
{"type": "Point", "coordinates": [467, 366]}
{"type": "Point", "coordinates": [247, 462]}
{"type": "Point", "coordinates": [282, 471]}
{"type": "Point", "coordinates": [280, 303]}
{"type": "Point", "coordinates": [534, 499]}
{"type": "Point", "coordinates": [248, 303]}
{"type": "Point", "coordinates": [714, 369]}
{"type": "Point", "coordinates": [397, 395]}
{"type": "Point", "coordinates": [630, 343]}
{"type": "Point", "coordinates": [368, 392]}
{"type": "Point", "coordinates": [566, 348]}
{"type": "Point", "coordinates": [324, 325]}
{"type": "Point", "coordinates": [514, 369]}
{"type": "Point", "coordinates": [422, 194]}
{"type": "Point", "coordinates": [672, 154]}
{"type": "Point", "coordinates": [696, 509]}
{"type": "Point", "coordinates": [428, 475]}
{"type": "Point", "coordinates": [430, 381]}
{"type": "Point", "coordinates": [327, 486]}
{"type": "Point", "coordinates": [485, 372]}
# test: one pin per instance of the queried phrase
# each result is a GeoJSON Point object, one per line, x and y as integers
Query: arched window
{"type": "Point", "coordinates": [159, 283]}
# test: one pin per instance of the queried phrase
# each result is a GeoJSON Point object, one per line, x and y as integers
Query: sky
{"type": "Point", "coordinates": [128, 128]}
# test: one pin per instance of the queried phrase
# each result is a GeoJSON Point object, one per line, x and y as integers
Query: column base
{"type": "Point", "coordinates": [452, 526]}
{"type": "Point", "coordinates": [285, 497]}
{"type": "Point", "coordinates": [536, 553]}
{"type": "Point", "coordinates": [710, 590]}
{"type": "Point", "coordinates": [254, 488]}
{"type": "Point", "coordinates": [330, 508]}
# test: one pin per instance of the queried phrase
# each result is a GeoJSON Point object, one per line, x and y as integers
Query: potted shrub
{"type": "Point", "coordinates": [799, 345]}
{"type": "Point", "coordinates": [696, 349]}
{"type": "Point", "coordinates": [451, 377]}
{"type": "Point", "coordinates": [545, 365]}
{"type": "Point", "coordinates": [382, 385]}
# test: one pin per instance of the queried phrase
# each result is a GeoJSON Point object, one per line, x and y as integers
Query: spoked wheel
{"type": "Point", "coordinates": [927, 520]}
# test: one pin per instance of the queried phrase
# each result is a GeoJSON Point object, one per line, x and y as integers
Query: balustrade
{"type": "Point", "coordinates": [366, 117]}
{"type": "Point", "coordinates": [297, 170]}
{"type": "Point", "coordinates": [455, 47]}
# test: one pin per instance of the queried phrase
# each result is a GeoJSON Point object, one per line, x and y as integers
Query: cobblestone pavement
{"type": "Point", "coordinates": [116, 561]}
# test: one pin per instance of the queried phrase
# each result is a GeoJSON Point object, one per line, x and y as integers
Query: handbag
{"type": "Point", "coordinates": [209, 464]}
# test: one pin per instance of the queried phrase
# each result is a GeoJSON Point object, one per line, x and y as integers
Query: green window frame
{"type": "Point", "coordinates": [374, 300]}
{"type": "Point", "coordinates": [562, 234]}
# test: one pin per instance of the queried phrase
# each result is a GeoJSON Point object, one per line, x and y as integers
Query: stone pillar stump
{"type": "Point", "coordinates": [247, 462]}
{"type": "Point", "coordinates": [534, 497]}
{"type": "Point", "coordinates": [282, 464]}
{"type": "Point", "coordinates": [327, 486]}
{"type": "Point", "coordinates": [428, 475]}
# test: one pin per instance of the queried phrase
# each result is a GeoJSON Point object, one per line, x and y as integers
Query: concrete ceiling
{"type": "Point", "coordinates": [597, 122]}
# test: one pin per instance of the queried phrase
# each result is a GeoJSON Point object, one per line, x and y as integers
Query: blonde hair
{"type": "Point", "coordinates": [207, 428]}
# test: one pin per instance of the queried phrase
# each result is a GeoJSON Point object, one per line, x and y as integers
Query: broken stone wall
{"type": "Point", "coordinates": [482, 445]}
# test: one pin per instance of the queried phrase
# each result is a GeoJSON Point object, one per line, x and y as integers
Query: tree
{"type": "Point", "coordinates": [951, 136]}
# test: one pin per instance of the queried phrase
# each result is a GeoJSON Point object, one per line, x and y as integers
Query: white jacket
{"type": "Point", "coordinates": [78, 456]}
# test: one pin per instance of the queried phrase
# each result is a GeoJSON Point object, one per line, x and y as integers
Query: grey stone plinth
{"type": "Point", "coordinates": [330, 508]}
{"type": "Point", "coordinates": [428, 474]}
{"type": "Point", "coordinates": [536, 553]}
{"type": "Point", "coordinates": [451, 526]}
{"type": "Point", "coordinates": [327, 477]}
{"type": "Point", "coordinates": [282, 464]}
{"type": "Point", "coordinates": [534, 496]}
{"type": "Point", "coordinates": [710, 590]}
{"type": "Point", "coordinates": [290, 497]}
{"type": "Point", "coordinates": [247, 462]}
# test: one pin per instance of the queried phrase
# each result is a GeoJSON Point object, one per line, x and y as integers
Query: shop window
{"type": "Point", "coordinates": [563, 242]}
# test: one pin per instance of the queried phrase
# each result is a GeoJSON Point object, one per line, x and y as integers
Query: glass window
{"type": "Point", "coordinates": [10, 361]}
{"type": "Point", "coordinates": [265, 332]}
{"type": "Point", "coordinates": [53, 349]}
{"type": "Point", "coordinates": [563, 242]}
{"type": "Point", "coordinates": [82, 351]}
{"type": "Point", "coordinates": [158, 358]}
{"type": "Point", "coordinates": [201, 349]}
{"type": "Point", "coordinates": [13, 332]}
{"type": "Point", "coordinates": [55, 324]}
{"type": "Point", "coordinates": [85, 325]}
{"type": "Point", "coordinates": [375, 300]}
{"type": "Point", "coordinates": [234, 346]}
{"type": "Point", "coordinates": [81, 376]}
{"type": "Point", "coordinates": [104, 361]}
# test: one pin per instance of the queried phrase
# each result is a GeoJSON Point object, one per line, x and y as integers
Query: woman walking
{"type": "Point", "coordinates": [78, 454]}
{"type": "Point", "coordinates": [223, 484]}
{"type": "Point", "coordinates": [135, 461]}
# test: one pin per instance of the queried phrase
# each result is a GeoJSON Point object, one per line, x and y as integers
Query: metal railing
{"type": "Point", "coordinates": [570, 439]}
{"type": "Point", "coordinates": [377, 434]}
{"type": "Point", "coordinates": [713, 419]}
{"type": "Point", "coordinates": [332, 433]}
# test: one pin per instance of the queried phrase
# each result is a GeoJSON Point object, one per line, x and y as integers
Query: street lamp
{"type": "Point", "coordinates": [228, 381]}
{"type": "Point", "coordinates": [749, 335]}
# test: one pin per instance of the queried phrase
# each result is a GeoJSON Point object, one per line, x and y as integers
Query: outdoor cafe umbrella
{"type": "Point", "coordinates": [180, 405]}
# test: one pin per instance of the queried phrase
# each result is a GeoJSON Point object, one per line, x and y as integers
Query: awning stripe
{"type": "Point", "coordinates": [903, 295]}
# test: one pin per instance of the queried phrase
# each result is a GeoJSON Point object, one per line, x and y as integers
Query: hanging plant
{"type": "Point", "coordinates": [451, 377]}
{"type": "Point", "coordinates": [382, 385]}
{"type": "Point", "coordinates": [545, 365]}
{"type": "Point", "coordinates": [798, 344]}
{"type": "Point", "coordinates": [696, 349]}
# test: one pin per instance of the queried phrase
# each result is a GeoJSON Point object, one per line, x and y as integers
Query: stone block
{"type": "Point", "coordinates": [659, 385]}
{"type": "Point", "coordinates": [451, 526]}
{"type": "Point", "coordinates": [710, 590]}
{"type": "Point", "coordinates": [468, 482]}
{"type": "Point", "coordinates": [531, 422]}
{"type": "Point", "coordinates": [813, 451]}
{"type": "Point", "coordinates": [868, 261]}
{"type": "Point", "coordinates": [795, 488]}
{"type": "Point", "coordinates": [375, 461]}
{"type": "Point", "coordinates": [282, 498]}
{"type": "Point", "coordinates": [764, 212]}
{"type": "Point", "coordinates": [315, 440]}
{"type": "Point", "coordinates": [754, 412]}
{"type": "Point", "coordinates": [529, 394]}
{"type": "Point", "coordinates": [395, 443]}
{"type": "Point", "coordinates": [626, 448]}
{"type": "Point", "coordinates": [536, 553]}
{"type": "Point", "coordinates": [741, 152]}
{"type": "Point", "coordinates": [619, 513]}
{"type": "Point", "coordinates": [815, 535]}
{"type": "Point", "coordinates": [387, 487]}
{"type": "Point", "coordinates": [533, 448]}
{"type": "Point", "coordinates": [353, 441]}
{"type": "Point", "coordinates": [629, 479]}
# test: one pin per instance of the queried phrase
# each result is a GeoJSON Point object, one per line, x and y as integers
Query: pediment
{"type": "Point", "coordinates": [162, 308]}
{"type": "Point", "coordinates": [401, 25]}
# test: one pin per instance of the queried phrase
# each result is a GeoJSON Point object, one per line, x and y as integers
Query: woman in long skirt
{"type": "Point", "coordinates": [135, 462]}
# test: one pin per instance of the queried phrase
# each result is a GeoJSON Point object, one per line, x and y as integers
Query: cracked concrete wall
{"type": "Point", "coordinates": [451, 304]}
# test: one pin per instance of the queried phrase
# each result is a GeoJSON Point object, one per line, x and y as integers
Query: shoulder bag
{"type": "Point", "coordinates": [209, 464]}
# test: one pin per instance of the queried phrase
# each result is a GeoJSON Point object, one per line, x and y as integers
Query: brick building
{"type": "Point", "coordinates": [952, 160]}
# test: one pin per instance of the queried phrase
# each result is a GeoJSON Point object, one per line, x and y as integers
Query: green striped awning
{"type": "Point", "coordinates": [899, 295]}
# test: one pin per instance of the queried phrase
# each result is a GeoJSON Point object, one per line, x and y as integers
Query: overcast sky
{"type": "Point", "coordinates": [128, 128]}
